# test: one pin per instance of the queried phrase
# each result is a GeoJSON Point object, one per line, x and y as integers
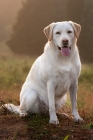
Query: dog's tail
{"type": "Point", "coordinates": [12, 108]}
{"type": "Point", "coordinates": [15, 109]}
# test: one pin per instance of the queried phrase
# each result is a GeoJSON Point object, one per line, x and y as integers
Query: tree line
{"type": "Point", "coordinates": [28, 38]}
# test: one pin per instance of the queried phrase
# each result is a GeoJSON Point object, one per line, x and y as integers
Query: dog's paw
{"type": "Point", "coordinates": [23, 114]}
{"type": "Point", "coordinates": [54, 122]}
{"type": "Point", "coordinates": [78, 120]}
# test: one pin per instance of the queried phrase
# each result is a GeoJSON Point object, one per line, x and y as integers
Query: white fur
{"type": "Point", "coordinates": [52, 75]}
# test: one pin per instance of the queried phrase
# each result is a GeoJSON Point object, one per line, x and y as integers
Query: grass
{"type": "Point", "coordinates": [85, 89]}
{"type": "Point", "coordinates": [13, 71]}
{"type": "Point", "coordinates": [86, 74]}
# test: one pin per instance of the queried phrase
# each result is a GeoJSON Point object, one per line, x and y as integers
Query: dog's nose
{"type": "Point", "coordinates": [65, 42]}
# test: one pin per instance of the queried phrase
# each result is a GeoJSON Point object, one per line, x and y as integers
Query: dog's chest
{"type": "Point", "coordinates": [63, 81]}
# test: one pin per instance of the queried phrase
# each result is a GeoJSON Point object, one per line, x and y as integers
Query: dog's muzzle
{"type": "Point", "coordinates": [65, 50]}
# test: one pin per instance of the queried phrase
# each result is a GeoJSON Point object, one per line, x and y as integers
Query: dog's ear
{"type": "Point", "coordinates": [48, 31]}
{"type": "Point", "coordinates": [76, 27]}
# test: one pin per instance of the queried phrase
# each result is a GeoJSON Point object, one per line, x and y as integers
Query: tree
{"type": "Point", "coordinates": [28, 37]}
{"type": "Point", "coordinates": [81, 12]}
{"type": "Point", "coordinates": [87, 31]}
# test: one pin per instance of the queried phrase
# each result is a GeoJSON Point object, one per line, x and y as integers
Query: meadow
{"type": "Point", "coordinates": [13, 72]}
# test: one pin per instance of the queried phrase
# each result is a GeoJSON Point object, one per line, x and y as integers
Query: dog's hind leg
{"type": "Point", "coordinates": [29, 103]}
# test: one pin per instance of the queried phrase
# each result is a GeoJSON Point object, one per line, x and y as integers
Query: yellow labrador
{"type": "Point", "coordinates": [53, 74]}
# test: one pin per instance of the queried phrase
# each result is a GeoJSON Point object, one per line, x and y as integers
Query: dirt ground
{"type": "Point", "coordinates": [36, 127]}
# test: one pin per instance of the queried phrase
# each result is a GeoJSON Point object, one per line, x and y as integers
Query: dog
{"type": "Point", "coordinates": [53, 74]}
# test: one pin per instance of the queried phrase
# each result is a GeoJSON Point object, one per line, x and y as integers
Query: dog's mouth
{"type": "Point", "coordinates": [65, 50]}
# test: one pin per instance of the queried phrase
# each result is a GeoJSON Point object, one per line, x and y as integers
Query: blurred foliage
{"type": "Point", "coordinates": [13, 71]}
{"type": "Point", "coordinates": [86, 74]}
{"type": "Point", "coordinates": [81, 11]}
{"type": "Point", "coordinates": [28, 34]}
{"type": "Point", "coordinates": [28, 37]}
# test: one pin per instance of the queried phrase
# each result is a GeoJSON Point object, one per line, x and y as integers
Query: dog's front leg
{"type": "Point", "coordinates": [51, 99]}
{"type": "Point", "coordinates": [73, 96]}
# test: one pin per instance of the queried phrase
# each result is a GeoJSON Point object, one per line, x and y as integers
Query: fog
{"type": "Point", "coordinates": [8, 13]}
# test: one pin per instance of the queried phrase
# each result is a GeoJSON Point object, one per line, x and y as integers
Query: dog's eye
{"type": "Point", "coordinates": [58, 33]}
{"type": "Point", "coordinates": [69, 32]}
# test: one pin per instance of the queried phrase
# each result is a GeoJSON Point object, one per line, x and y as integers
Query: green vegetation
{"type": "Point", "coordinates": [86, 74]}
{"type": "Point", "coordinates": [14, 71]}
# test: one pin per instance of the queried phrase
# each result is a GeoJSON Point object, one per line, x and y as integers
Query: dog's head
{"type": "Point", "coordinates": [63, 35]}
